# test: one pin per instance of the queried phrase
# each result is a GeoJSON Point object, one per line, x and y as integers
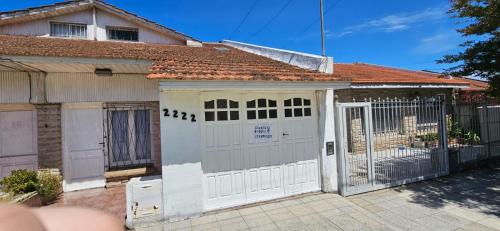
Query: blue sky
{"type": "Point", "coordinates": [406, 34]}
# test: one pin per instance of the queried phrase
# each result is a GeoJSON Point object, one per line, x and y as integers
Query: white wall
{"type": "Point", "coordinates": [87, 87]}
{"type": "Point", "coordinates": [329, 176]}
{"type": "Point", "coordinates": [41, 27]}
{"type": "Point", "coordinates": [181, 156]}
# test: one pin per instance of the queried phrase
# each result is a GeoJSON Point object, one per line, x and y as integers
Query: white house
{"type": "Point", "coordinates": [91, 89]}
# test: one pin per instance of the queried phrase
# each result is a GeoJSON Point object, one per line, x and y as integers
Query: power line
{"type": "Point", "coordinates": [318, 19]}
{"type": "Point", "coordinates": [283, 8]}
{"type": "Point", "coordinates": [244, 18]}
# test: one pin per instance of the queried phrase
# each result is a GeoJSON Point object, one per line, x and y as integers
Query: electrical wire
{"type": "Point", "coordinates": [319, 18]}
{"type": "Point", "coordinates": [283, 8]}
{"type": "Point", "coordinates": [244, 18]}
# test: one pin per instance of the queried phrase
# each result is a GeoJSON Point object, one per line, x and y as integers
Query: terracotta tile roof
{"type": "Point", "coordinates": [361, 73]}
{"type": "Point", "coordinates": [210, 62]}
{"type": "Point", "coordinates": [476, 85]}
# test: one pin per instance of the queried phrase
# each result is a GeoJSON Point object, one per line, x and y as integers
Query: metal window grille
{"type": "Point", "coordinates": [128, 136]}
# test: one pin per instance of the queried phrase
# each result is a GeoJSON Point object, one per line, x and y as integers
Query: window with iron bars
{"type": "Point", "coordinates": [128, 136]}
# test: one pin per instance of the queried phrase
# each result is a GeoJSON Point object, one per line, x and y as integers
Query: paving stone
{"type": "Point", "coordinates": [347, 223]}
{"type": "Point", "coordinates": [177, 225]}
{"type": "Point", "coordinates": [271, 206]}
{"type": "Point", "coordinates": [452, 219]}
{"type": "Point", "coordinates": [300, 210]}
{"type": "Point", "coordinates": [477, 227]}
{"type": "Point", "coordinates": [491, 222]}
{"type": "Point", "coordinates": [268, 227]}
{"type": "Point", "coordinates": [231, 221]}
{"type": "Point", "coordinates": [227, 215]}
{"type": "Point", "coordinates": [435, 224]}
{"type": "Point", "coordinates": [291, 224]}
{"type": "Point", "coordinates": [255, 220]}
{"type": "Point", "coordinates": [292, 202]}
{"type": "Point", "coordinates": [204, 219]}
{"type": "Point", "coordinates": [251, 210]}
{"type": "Point", "coordinates": [282, 216]}
{"type": "Point", "coordinates": [209, 226]}
{"type": "Point", "coordinates": [314, 222]}
{"type": "Point", "coordinates": [233, 226]}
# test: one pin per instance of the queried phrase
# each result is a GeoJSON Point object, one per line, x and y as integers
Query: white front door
{"type": "Point", "coordinates": [18, 140]}
{"type": "Point", "coordinates": [255, 150]}
{"type": "Point", "coordinates": [83, 146]}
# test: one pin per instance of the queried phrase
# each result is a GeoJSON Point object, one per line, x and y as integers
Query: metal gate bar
{"type": "Point", "coordinates": [389, 142]}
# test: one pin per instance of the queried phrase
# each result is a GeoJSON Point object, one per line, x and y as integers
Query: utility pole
{"type": "Point", "coordinates": [322, 28]}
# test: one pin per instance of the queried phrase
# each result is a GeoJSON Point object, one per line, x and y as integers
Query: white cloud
{"type": "Point", "coordinates": [438, 43]}
{"type": "Point", "coordinates": [396, 22]}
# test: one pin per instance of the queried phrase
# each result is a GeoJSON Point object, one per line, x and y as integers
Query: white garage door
{"type": "Point", "coordinates": [258, 147]}
{"type": "Point", "coordinates": [18, 140]}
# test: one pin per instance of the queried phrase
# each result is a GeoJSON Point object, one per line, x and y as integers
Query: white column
{"type": "Point", "coordinates": [181, 156]}
{"type": "Point", "coordinates": [327, 134]}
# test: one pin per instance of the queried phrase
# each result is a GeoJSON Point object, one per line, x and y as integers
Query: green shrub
{"type": "Point", "coordinates": [430, 137]}
{"type": "Point", "coordinates": [49, 187]}
{"type": "Point", "coordinates": [20, 181]}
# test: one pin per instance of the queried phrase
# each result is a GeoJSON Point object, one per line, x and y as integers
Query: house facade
{"type": "Point", "coordinates": [91, 89]}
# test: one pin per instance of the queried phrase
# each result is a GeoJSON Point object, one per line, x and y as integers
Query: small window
{"type": "Point", "coordinates": [217, 110]}
{"type": "Point", "coordinates": [68, 30]}
{"type": "Point", "coordinates": [267, 109]}
{"type": "Point", "coordinates": [123, 34]}
{"type": "Point", "coordinates": [297, 107]}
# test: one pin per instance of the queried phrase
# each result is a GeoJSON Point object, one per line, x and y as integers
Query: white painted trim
{"type": "Point", "coordinates": [252, 85]}
{"type": "Point", "coordinates": [395, 86]}
{"type": "Point", "coordinates": [229, 42]}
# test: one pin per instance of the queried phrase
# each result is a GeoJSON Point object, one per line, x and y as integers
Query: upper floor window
{"type": "Point", "coordinates": [123, 34]}
{"type": "Point", "coordinates": [68, 30]}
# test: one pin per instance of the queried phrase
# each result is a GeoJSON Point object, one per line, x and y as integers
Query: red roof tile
{"type": "Point", "coordinates": [213, 62]}
{"type": "Point", "coordinates": [361, 73]}
{"type": "Point", "coordinates": [210, 62]}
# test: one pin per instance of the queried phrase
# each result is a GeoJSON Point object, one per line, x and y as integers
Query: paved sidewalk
{"type": "Point", "coordinates": [469, 201]}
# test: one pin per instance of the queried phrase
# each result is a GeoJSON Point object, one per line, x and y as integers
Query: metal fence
{"type": "Point", "coordinates": [388, 142]}
{"type": "Point", "coordinates": [473, 130]}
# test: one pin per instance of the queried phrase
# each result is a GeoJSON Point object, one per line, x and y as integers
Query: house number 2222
{"type": "Point", "coordinates": [177, 114]}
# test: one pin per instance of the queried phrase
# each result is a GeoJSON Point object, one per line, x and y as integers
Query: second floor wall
{"type": "Point", "coordinates": [80, 25]}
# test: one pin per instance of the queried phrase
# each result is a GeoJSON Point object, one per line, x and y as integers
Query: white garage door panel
{"type": "Point", "coordinates": [244, 165]}
{"type": "Point", "coordinates": [20, 162]}
{"type": "Point", "coordinates": [222, 165]}
{"type": "Point", "coordinates": [17, 136]}
{"type": "Point", "coordinates": [18, 141]}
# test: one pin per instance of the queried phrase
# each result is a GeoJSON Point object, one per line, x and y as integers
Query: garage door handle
{"type": "Point", "coordinates": [102, 143]}
{"type": "Point", "coordinates": [285, 134]}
